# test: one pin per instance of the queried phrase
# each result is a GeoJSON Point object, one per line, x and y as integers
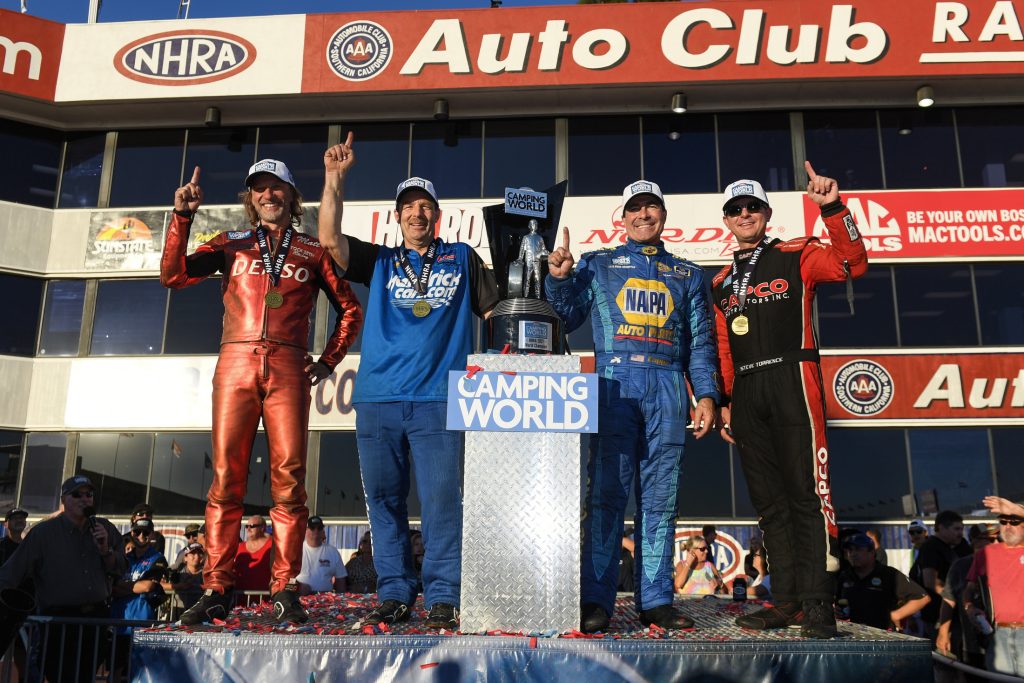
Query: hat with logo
{"type": "Point", "coordinates": [194, 548]}
{"type": "Point", "coordinates": [315, 522]}
{"type": "Point", "coordinates": [15, 512]}
{"type": "Point", "coordinates": [74, 483]}
{"type": "Point", "coordinates": [916, 524]}
{"type": "Point", "coordinates": [744, 188]}
{"type": "Point", "coordinates": [642, 187]}
{"type": "Point", "coordinates": [415, 183]}
{"type": "Point", "coordinates": [191, 529]}
{"type": "Point", "coordinates": [273, 167]}
{"type": "Point", "coordinates": [142, 524]}
{"type": "Point", "coordinates": [859, 540]}
{"type": "Point", "coordinates": [142, 507]}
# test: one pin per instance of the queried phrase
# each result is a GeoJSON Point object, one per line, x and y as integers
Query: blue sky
{"type": "Point", "coordinates": [76, 11]}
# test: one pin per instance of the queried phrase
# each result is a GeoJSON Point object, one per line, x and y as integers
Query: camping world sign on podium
{"type": "Point", "coordinates": [522, 401]}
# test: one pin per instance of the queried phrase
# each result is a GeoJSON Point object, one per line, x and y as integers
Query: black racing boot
{"type": "Point", "coordinates": [780, 615]}
{"type": "Point", "coordinates": [666, 617]}
{"type": "Point", "coordinates": [593, 618]}
{"type": "Point", "coordinates": [818, 620]}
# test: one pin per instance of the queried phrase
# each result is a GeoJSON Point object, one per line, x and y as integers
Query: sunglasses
{"type": "Point", "coordinates": [81, 494]}
{"type": "Point", "coordinates": [916, 532]}
{"type": "Point", "coordinates": [753, 206]}
{"type": "Point", "coordinates": [254, 526]}
{"type": "Point", "coordinates": [702, 550]}
{"type": "Point", "coordinates": [142, 532]}
{"type": "Point", "coordinates": [1011, 521]}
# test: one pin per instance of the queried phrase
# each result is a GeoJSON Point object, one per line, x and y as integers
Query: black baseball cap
{"type": "Point", "coordinates": [74, 483]}
{"type": "Point", "coordinates": [315, 522]}
{"type": "Point", "coordinates": [15, 512]}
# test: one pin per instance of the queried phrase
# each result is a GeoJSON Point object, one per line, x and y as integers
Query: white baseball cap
{"type": "Point", "coordinates": [416, 183]}
{"type": "Point", "coordinates": [273, 167]}
{"type": "Point", "coordinates": [745, 188]}
{"type": "Point", "coordinates": [642, 187]}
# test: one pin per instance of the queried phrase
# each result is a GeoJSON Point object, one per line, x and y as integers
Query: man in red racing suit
{"type": "Point", "coordinates": [773, 403]}
{"type": "Point", "coordinates": [271, 275]}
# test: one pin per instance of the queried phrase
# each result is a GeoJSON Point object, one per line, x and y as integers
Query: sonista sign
{"type": "Point", "coordinates": [184, 57]}
{"type": "Point", "coordinates": [639, 43]}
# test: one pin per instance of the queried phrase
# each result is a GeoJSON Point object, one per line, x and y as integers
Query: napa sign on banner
{"type": "Point", "coordinates": [522, 401]}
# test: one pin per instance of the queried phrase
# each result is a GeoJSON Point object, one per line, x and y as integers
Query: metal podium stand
{"type": "Point", "coordinates": [521, 520]}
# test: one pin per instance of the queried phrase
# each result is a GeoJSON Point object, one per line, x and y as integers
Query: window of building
{"type": "Point", "coordinates": [919, 148]}
{"type": "Point", "coordinates": [301, 148]}
{"type": "Point", "coordinates": [955, 463]}
{"type": "Point", "coordinates": [1000, 289]}
{"type": "Point", "coordinates": [518, 153]}
{"type": "Point", "coordinates": [844, 145]}
{"type": "Point", "coordinates": [679, 153]}
{"type": "Point", "coordinates": [383, 150]}
{"type": "Point", "coordinates": [448, 153]}
{"type": "Point", "coordinates": [1009, 459]}
{"type": "Point", "coordinates": [604, 154]}
{"type": "Point", "coordinates": [43, 472]}
{"type": "Point", "coordinates": [224, 156]}
{"type": "Point", "coordinates": [118, 465]}
{"type": "Point", "coordinates": [31, 161]}
{"type": "Point", "coordinates": [147, 167]}
{"type": "Point", "coordinates": [935, 305]}
{"type": "Point", "coordinates": [758, 146]}
{"type": "Point", "coordinates": [80, 179]}
{"type": "Point", "coordinates": [10, 461]}
{"type": "Point", "coordinates": [62, 318]}
{"type": "Point", "coordinates": [194, 318]}
{"type": "Point", "coordinates": [129, 317]}
{"type": "Point", "coordinates": [868, 471]}
{"type": "Point", "coordinates": [705, 484]}
{"type": "Point", "coordinates": [23, 299]}
{"type": "Point", "coordinates": [339, 485]}
{"type": "Point", "coordinates": [873, 322]}
{"type": "Point", "coordinates": [182, 474]}
{"type": "Point", "coordinates": [992, 146]}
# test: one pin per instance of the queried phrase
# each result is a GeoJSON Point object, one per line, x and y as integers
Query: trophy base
{"type": "Point", "coordinates": [525, 326]}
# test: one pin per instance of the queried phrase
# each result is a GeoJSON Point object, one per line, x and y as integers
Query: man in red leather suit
{"type": "Point", "coordinates": [271, 275]}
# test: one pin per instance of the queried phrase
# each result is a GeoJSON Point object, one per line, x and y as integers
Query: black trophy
{"type": "Point", "coordinates": [521, 233]}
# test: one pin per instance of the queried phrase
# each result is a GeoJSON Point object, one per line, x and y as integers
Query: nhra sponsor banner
{"type": "Point", "coordinates": [933, 223]}
{"type": "Point", "coordinates": [30, 55]}
{"type": "Point", "coordinates": [640, 43]}
{"type": "Point", "coordinates": [167, 59]}
{"type": "Point", "coordinates": [727, 553]}
{"type": "Point", "coordinates": [125, 240]}
{"type": "Point", "coordinates": [917, 388]}
{"type": "Point", "coordinates": [522, 401]}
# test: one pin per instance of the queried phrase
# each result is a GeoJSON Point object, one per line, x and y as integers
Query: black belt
{"type": "Point", "coordinates": [773, 361]}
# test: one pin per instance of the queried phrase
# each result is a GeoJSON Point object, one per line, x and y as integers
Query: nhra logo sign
{"type": "Point", "coordinates": [184, 57]}
{"type": "Point", "coordinates": [728, 552]}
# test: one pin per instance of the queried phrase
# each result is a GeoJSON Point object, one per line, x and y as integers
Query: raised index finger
{"type": "Point", "coordinates": [811, 175]}
{"type": "Point", "coordinates": [565, 237]}
{"type": "Point", "coordinates": [349, 139]}
{"type": "Point", "coordinates": [195, 176]}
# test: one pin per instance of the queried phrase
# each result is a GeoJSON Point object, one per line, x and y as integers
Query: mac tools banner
{"type": "Point", "coordinates": [522, 401]}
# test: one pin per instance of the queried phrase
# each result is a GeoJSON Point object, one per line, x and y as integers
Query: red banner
{"type": "Point", "coordinates": [561, 46]}
{"type": "Point", "coordinates": [929, 386]}
{"type": "Point", "coordinates": [29, 55]}
{"type": "Point", "coordinates": [934, 223]}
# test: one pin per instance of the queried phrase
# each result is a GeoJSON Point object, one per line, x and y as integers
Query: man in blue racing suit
{"type": "Point", "coordinates": [652, 324]}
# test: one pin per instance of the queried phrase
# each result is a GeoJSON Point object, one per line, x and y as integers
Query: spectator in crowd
{"type": "Point", "coordinates": [15, 521]}
{"type": "Point", "coordinates": [322, 568]}
{"type": "Point", "coordinates": [254, 559]}
{"type": "Point", "coordinates": [934, 558]}
{"type": "Point", "coordinates": [362, 575]}
{"type": "Point", "coordinates": [997, 575]}
{"type": "Point", "coordinates": [73, 538]}
{"type": "Point", "coordinates": [755, 547]}
{"type": "Point", "coordinates": [875, 594]}
{"type": "Point", "coordinates": [145, 511]}
{"type": "Point", "coordinates": [201, 537]}
{"type": "Point", "coordinates": [918, 533]}
{"type": "Point", "coordinates": [416, 333]}
{"type": "Point", "coordinates": [956, 635]}
{"type": "Point", "coordinates": [191, 536]}
{"type": "Point", "coordinates": [759, 583]}
{"type": "Point", "coordinates": [187, 581]}
{"type": "Point", "coordinates": [696, 574]}
{"type": "Point", "coordinates": [138, 593]}
{"type": "Point", "coordinates": [627, 580]}
{"type": "Point", "coordinates": [881, 557]}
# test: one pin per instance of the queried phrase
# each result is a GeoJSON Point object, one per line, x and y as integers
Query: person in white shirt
{"type": "Point", "coordinates": [322, 568]}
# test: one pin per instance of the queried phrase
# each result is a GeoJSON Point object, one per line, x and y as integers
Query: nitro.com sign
{"type": "Point", "coordinates": [522, 402]}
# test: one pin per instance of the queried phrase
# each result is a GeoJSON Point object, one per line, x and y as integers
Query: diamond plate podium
{"type": "Point", "coordinates": [521, 520]}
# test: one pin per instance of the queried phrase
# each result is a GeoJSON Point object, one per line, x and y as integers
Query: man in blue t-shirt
{"type": "Point", "coordinates": [424, 295]}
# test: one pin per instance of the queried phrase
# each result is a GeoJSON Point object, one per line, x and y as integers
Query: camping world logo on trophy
{"type": "Point", "coordinates": [359, 50]}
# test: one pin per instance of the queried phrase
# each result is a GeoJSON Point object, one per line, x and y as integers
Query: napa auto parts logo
{"type": "Point", "coordinates": [187, 57]}
{"type": "Point", "coordinates": [359, 50]}
{"type": "Point", "coordinates": [863, 387]}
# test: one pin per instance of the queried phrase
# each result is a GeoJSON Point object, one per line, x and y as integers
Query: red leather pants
{"type": "Point", "coordinates": [254, 380]}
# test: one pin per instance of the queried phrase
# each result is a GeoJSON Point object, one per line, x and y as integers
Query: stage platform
{"type": "Point", "coordinates": [335, 646]}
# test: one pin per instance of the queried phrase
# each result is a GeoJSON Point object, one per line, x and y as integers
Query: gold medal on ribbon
{"type": "Point", "coordinates": [274, 299]}
{"type": "Point", "coordinates": [741, 325]}
{"type": "Point", "coordinates": [421, 309]}
{"type": "Point", "coordinates": [650, 251]}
